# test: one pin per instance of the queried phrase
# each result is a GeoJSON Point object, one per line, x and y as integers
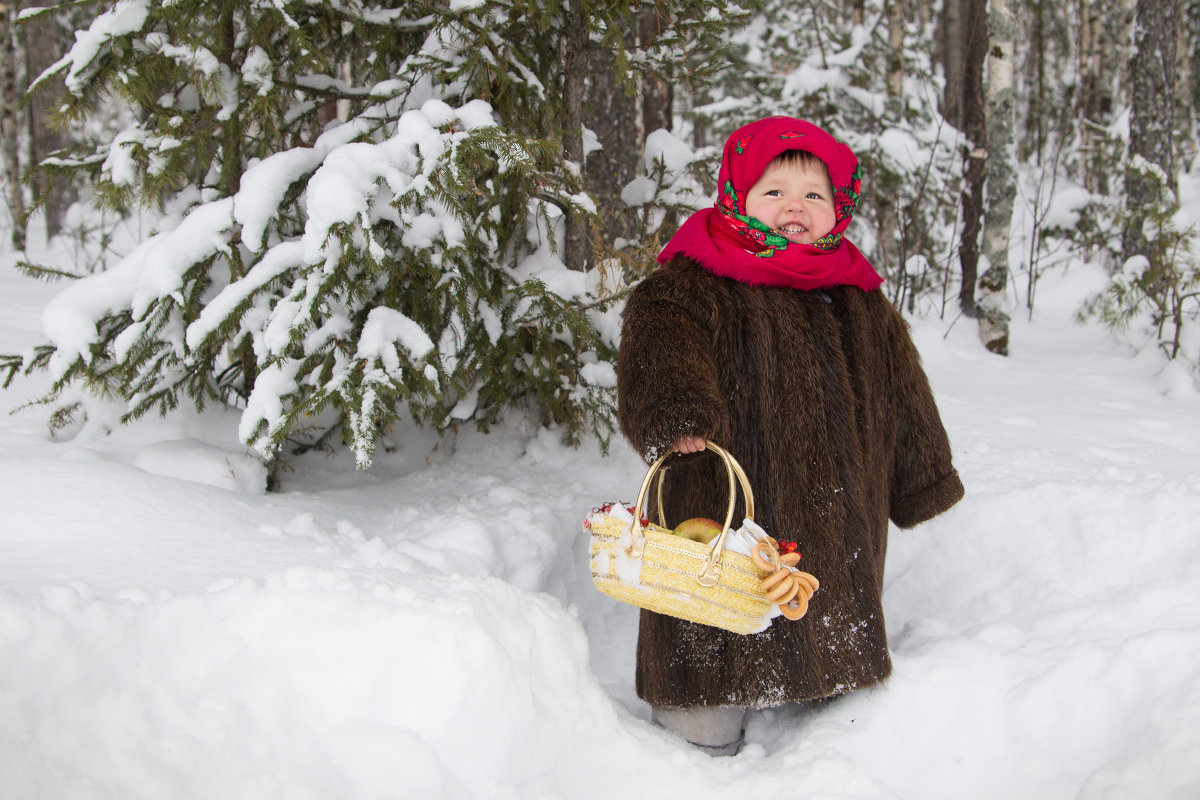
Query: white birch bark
{"type": "Point", "coordinates": [895, 79]}
{"type": "Point", "coordinates": [14, 194]}
{"type": "Point", "coordinates": [953, 60]}
{"type": "Point", "coordinates": [1001, 181]}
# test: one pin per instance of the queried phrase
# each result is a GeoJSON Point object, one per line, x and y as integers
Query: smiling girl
{"type": "Point", "coordinates": [764, 330]}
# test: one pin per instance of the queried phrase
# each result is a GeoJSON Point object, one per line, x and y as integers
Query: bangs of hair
{"type": "Point", "coordinates": [802, 159]}
{"type": "Point", "coordinates": [799, 158]}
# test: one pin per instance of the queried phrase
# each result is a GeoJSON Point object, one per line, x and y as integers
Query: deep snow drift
{"type": "Point", "coordinates": [428, 629]}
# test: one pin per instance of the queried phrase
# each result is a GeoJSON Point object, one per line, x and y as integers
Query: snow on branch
{"type": "Point", "coordinates": [152, 272]}
{"type": "Point", "coordinates": [126, 17]}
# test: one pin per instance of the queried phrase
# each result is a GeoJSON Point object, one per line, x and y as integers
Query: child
{"type": "Point", "coordinates": [765, 331]}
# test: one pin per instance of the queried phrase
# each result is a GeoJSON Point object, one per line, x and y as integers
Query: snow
{"type": "Point", "coordinates": [599, 374]}
{"type": "Point", "coordinates": [423, 230]}
{"type": "Point", "coordinates": [119, 164]}
{"type": "Point", "coordinates": [664, 146]}
{"type": "Point", "coordinates": [1069, 202]}
{"type": "Point", "coordinates": [278, 260]}
{"type": "Point", "coordinates": [194, 460]}
{"type": "Point", "coordinates": [126, 16]}
{"type": "Point", "coordinates": [809, 78]}
{"type": "Point", "coordinates": [465, 407]}
{"type": "Point", "coordinates": [428, 628]}
{"type": "Point", "coordinates": [639, 191]}
{"type": "Point", "coordinates": [155, 268]}
{"type": "Point", "coordinates": [257, 69]}
{"type": "Point", "coordinates": [264, 186]}
{"type": "Point", "coordinates": [545, 266]}
{"type": "Point", "coordinates": [343, 188]}
{"type": "Point", "coordinates": [591, 142]}
{"type": "Point", "coordinates": [475, 114]}
{"type": "Point", "coordinates": [200, 59]}
{"type": "Point", "coordinates": [902, 148]}
{"type": "Point", "coordinates": [386, 326]}
{"type": "Point", "coordinates": [266, 403]}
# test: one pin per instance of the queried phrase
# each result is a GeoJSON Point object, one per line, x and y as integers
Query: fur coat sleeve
{"type": "Point", "coordinates": [669, 372]}
{"type": "Point", "coordinates": [923, 482]}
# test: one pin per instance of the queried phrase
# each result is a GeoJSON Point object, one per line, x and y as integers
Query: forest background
{"type": "Point", "coordinates": [333, 216]}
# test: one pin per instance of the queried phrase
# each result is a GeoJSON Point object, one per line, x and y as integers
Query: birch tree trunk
{"type": "Point", "coordinates": [9, 126]}
{"type": "Point", "coordinates": [1001, 180]}
{"type": "Point", "coordinates": [924, 17]}
{"type": "Point", "coordinates": [895, 78]}
{"type": "Point", "coordinates": [1152, 120]}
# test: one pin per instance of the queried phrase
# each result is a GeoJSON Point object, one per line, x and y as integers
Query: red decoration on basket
{"type": "Point", "coordinates": [787, 547]}
{"type": "Point", "coordinates": [607, 507]}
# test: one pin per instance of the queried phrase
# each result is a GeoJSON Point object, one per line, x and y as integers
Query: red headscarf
{"type": "Point", "coordinates": [725, 241]}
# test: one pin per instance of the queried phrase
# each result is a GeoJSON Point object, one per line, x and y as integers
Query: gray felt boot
{"type": "Point", "coordinates": [717, 731]}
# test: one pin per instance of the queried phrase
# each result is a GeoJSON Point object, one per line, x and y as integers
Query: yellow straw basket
{"type": "Point", "coordinates": [648, 566]}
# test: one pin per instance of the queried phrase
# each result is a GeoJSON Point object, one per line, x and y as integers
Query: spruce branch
{"type": "Point", "coordinates": [43, 273]}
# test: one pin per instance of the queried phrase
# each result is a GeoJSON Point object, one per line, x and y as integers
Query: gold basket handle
{"type": "Point", "coordinates": [710, 571]}
{"type": "Point", "coordinates": [730, 463]}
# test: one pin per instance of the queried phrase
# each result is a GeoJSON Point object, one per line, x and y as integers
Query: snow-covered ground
{"type": "Point", "coordinates": [428, 629]}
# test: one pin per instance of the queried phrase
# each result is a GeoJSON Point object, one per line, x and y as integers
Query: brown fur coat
{"type": "Point", "coordinates": [822, 398]}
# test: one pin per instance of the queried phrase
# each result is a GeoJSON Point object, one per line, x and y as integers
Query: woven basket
{"type": "Point", "coordinates": [648, 566]}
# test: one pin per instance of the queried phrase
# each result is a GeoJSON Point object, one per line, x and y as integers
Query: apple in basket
{"type": "Point", "coordinates": [698, 529]}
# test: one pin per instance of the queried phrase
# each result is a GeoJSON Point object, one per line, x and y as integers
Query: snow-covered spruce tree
{"type": "Point", "coordinates": [339, 247]}
{"type": "Point", "coordinates": [815, 61]}
{"type": "Point", "coordinates": [543, 67]}
{"type": "Point", "coordinates": [348, 234]}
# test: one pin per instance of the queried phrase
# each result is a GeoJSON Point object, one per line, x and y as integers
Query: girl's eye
{"type": "Point", "coordinates": [813, 195]}
{"type": "Point", "coordinates": [774, 193]}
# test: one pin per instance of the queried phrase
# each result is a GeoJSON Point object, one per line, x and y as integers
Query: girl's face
{"type": "Point", "coordinates": [795, 199]}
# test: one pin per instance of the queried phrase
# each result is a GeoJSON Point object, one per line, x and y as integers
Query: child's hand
{"type": "Point", "coordinates": [689, 444]}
